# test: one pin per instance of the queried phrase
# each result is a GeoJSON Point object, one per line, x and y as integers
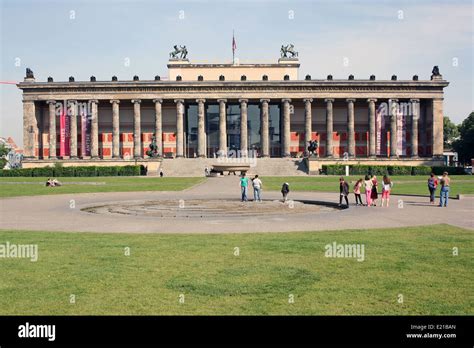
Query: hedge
{"type": "Point", "coordinates": [80, 171]}
{"type": "Point", "coordinates": [339, 169]}
{"type": "Point", "coordinates": [450, 170]}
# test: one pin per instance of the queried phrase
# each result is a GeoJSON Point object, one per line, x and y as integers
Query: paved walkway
{"type": "Point", "coordinates": [63, 213]}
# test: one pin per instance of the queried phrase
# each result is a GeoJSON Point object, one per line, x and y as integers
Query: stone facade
{"type": "Point", "coordinates": [342, 115]}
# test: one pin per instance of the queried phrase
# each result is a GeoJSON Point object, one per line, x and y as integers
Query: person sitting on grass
{"type": "Point", "coordinates": [357, 187]}
{"type": "Point", "coordinates": [386, 188]}
{"type": "Point", "coordinates": [285, 189]}
{"type": "Point", "coordinates": [49, 182]}
{"type": "Point", "coordinates": [343, 191]}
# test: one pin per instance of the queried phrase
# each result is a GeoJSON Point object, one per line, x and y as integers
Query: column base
{"type": "Point", "coordinates": [73, 157]}
{"type": "Point", "coordinates": [372, 156]}
{"type": "Point", "coordinates": [393, 157]}
{"type": "Point", "coordinates": [265, 156]}
{"type": "Point", "coordinates": [179, 156]}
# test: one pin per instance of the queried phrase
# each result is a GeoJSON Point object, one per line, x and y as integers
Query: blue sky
{"type": "Point", "coordinates": [84, 38]}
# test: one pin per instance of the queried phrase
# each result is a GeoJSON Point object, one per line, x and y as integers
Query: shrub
{"type": "Point", "coordinates": [45, 171]}
{"type": "Point", "coordinates": [399, 170]}
{"type": "Point", "coordinates": [451, 170]}
{"type": "Point", "coordinates": [16, 172]}
{"type": "Point", "coordinates": [378, 170]}
{"type": "Point", "coordinates": [129, 171]}
{"type": "Point", "coordinates": [63, 171]}
{"type": "Point", "coordinates": [359, 169]}
{"type": "Point", "coordinates": [85, 171]}
{"type": "Point", "coordinates": [421, 170]}
{"type": "Point", "coordinates": [108, 171]}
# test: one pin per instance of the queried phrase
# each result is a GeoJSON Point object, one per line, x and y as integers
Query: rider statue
{"type": "Point", "coordinates": [153, 148]}
{"type": "Point", "coordinates": [180, 52]}
{"type": "Point", "coordinates": [313, 148]}
{"type": "Point", "coordinates": [288, 51]}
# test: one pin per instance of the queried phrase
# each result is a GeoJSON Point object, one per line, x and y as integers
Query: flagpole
{"type": "Point", "coordinates": [233, 51]}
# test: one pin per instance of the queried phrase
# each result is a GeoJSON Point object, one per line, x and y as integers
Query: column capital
{"type": "Point", "coordinates": [286, 100]}
{"type": "Point", "coordinates": [371, 100]}
{"type": "Point", "coordinates": [393, 100]}
{"type": "Point", "coordinates": [414, 100]}
{"type": "Point", "coordinates": [329, 100]}
{"type": "Point", "coordinates": [222, 101]}
{"type": "Point", "coordinates": [350, 100]}
{"type": "Point", "coordinates": [72, 101]}
{"type": "Point", "coordinates": [51, 101]}
{"type": "Point", "coordinates": [243, 101]}
{"type": "Point", "coordinates": [200, 100]}
{"type": "Point", "coordinates": [264, 100]}
{"type": "Point", "coordinates": [308, 100]}
{"type": "Point", "coordinates": [136, 101]}
{"type": "Point", "coordinates": [114, 101]}
{"type": "Point", "coordinates": [158, 100]}
{"type": "Point", "coordinates": [179, 101]}
{"type": "Point", "coordinates": [93, 101]}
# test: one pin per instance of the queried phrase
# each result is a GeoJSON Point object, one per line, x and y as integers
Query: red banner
{"type": "Point", "coordinates": [64, 132]}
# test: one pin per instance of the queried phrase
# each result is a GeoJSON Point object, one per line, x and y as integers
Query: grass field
{"type": "Point", "coordinates": [460, 184]}
{"type": "Point", "coordinates": [17, 186]}
{"type": "Point", "coordinates": [416, 262]}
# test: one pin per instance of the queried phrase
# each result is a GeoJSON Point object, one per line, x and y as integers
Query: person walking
{"type": "Point", "coordinates": [244, 184]}
{"type": "Point", "coordinates": [432, 185]}
{"type": "Point", "coordinates": [386, 188]}
{"type": "Point", "coordinates": [257, 189]}
{"type": "Point", "coordinates": [343, 191]}
{"type": "Point", "coordinates": [444, 191]}
{"type": "Point", "coordinates": [357, 187]}
{"type": "Point", "coordinates": [368, 190]}
{"type": "Point", "coordinates": [285, 189]}
{"type": "Point", "coordinates": [374, 195]}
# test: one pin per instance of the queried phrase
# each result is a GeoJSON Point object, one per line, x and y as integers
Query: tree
{"type": "Point", "coordinates": [464, 146]}
{"type": "Point", "coordinates": [451, 132]}
{"type": "Point", "coordinates": [3, 152]}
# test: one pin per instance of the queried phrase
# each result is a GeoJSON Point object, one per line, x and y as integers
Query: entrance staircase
{"type": "Point", "coordinates": [262, 166]}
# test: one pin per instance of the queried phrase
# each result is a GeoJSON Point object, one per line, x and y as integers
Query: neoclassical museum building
{"type": "Point", "coordinates": [212, 110]}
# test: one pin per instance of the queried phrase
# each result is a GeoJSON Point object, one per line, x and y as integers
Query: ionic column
{"type": "Point", "coordinates": [201, 128]}
{"type": "Point", "coordinates": [222, 127]}
{"type": "Point", "coordinates": [437, 107]}
{"type": "Point", "coordinates": [179, 127]}
{"type": "Point", "coordinates": [329, 127]}
{"type": "Point", "coordinates": [30, 129]}
{"type": "Point", "coordinates": [415, 104]}
{"type": "Point", "coordinates": [286, 128]}
{"type": "Point", "coordinates": [115, 128]}
{"type": "Point", "coordinates": [52, 128]}
{"type": "Point", "coordinates": [307, 121]}
{"type": "Point", "coordinates": [243, 127]}
{"type": "Point", "coordinates": [159, 125]}
{"type": "Point", "coordinates": [73, 133]}
{"type": "Point", "coordinates": [393, 106]}
{"type": "Point", "coordinates": [372, 137]}
{"type": "Point", "coordinates": [94, 129]}
{"type": "Point", "coordinates": [350, 127]}
{"type": "Point", "coordinates": [137, 131]}
{"type": "Point", "coordinates": [264, 133]}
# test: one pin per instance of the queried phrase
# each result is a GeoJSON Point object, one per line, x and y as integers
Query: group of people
{"type": "Point", "coordinates": [257, 187]}
{"type": "Point", "coordinates": [370, 185]}
{"type": "Point", "coordinates": [444, 181]}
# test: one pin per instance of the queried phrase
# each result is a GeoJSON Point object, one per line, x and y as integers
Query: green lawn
{"type": "Point", "coordinates": [18, 186]}
{"type": "Point", "coordinates": [416, 262]}
{"type": "Point", "coordinates": [460, 184]}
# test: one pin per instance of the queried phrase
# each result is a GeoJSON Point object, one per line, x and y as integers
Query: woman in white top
{"type": "Point", "coordinates": [368, 190]}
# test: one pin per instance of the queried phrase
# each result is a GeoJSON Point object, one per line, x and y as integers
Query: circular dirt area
{"type": "Point", "coordinates": [199, 208]}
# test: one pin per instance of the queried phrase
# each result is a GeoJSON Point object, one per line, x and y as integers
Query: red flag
{"type": "Point", "coordinates": [234, 45]}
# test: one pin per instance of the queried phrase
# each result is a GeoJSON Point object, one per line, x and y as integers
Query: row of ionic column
{"type": "Point", "coordinates": [265, 142]}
